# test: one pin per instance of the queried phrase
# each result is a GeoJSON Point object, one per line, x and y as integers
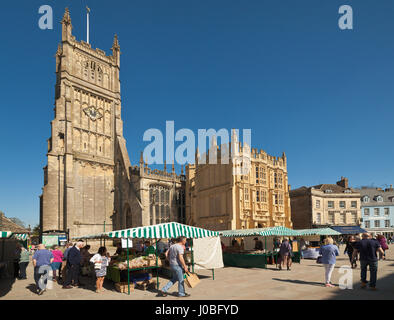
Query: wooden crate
{"type": "Point", "coordinates": [122, 287]}
{"type": "Point", "coordinates": [143, 285]}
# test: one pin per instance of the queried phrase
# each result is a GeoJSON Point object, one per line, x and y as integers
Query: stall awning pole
{"type": "Point", "coordinates": [128, 269]}
{"type": "Point", "coordinates": [157, 267]}
{"type": "Point", "coordinates": [104, 232]}
{"type": "Point", "coordinates": [192, 255]}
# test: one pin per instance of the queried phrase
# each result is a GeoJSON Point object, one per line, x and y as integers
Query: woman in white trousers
{"type": "Point", "coordinates": [329, 252]}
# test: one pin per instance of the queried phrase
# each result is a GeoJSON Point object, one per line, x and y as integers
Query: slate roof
{"type": "Point", "coordinates": [323, 187]}
{"type": "Point", "coordinates": [334, 187]}
{"type": "Point", "coordinates": [8, 225]}
{"type": "Point", "coordinates": [372, 193]}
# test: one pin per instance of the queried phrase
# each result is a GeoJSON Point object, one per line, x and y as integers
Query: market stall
{"type": "Point", "coordinates": [239, 257]}
{"type": "Point", "coordinates": [207, 254]}
{"type": "Point", "coordinates": [5, 234]}
{"type": "Point", "coordinates": [348, 230]}
{"type": "Point", "coordinates": [149, 262]}
{"type": "Point", "coordinates": [314, 237]}
{"type": "Point", "coordinates": [7, 254]}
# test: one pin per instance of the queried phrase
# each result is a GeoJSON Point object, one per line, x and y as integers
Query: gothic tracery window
{"type": "Point", "coordinates": [159, 199]}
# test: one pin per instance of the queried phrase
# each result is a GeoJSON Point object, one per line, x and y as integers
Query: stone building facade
{"type": "Point", "coordinates": [221, 197]}
{"type": "Point", "coordinates": [147, 196]}
{"type": "Point", "coordinates": [325, 205]}
{"type": "Point", "coordinates": [89, 182]}
{"type": "Point", "coordinates": [377, 210]}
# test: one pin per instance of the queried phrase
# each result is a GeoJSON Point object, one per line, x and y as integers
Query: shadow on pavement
{"type": "Point", "coordinates": [384, 290]}
{"type": "Point", "coordinates": [320, 284]}
{"type": "Point", "coordinates": [6, 286]}
{"type": "Point", "coordinates": [32, 287]}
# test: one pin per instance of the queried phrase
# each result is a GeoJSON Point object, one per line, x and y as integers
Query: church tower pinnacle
{"type": "Point", "coordinates": [86, 139]}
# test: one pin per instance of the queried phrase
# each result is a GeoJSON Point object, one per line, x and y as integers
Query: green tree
{"type": "Point", "coordinates": [18, 221]}
{"type": "Point", "coordinates": [36, 231]}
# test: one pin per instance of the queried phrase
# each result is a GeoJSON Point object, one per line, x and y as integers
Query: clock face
{"type": "Point", "coordinates": [93, 113]}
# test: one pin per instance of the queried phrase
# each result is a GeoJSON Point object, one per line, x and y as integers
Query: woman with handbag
{"type": "Point", "coordinates": [101, 261]}
{"type": "Point", "coordinates": [349, 251]}
{"type": "Point", "coordinates": [383, 243]}
{"type": "Point", "coordinates": [57, 262]}
{"type": "Point", "coordinates": [285, 253]}
{"type": "Point", "coordinates": [328, 253]}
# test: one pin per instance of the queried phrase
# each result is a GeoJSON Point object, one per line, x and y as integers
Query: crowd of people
{"type": "Point", "coordinates": [75, 260]}
{"type": "Point", "coordinates": [366, 249]}
{"type": "Point", "coordinates": [69, 265]}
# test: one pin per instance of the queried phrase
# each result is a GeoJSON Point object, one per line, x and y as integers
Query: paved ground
{"type": "Point", "coordinates": [304, 281]}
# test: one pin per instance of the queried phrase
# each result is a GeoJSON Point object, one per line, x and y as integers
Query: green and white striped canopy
{"type": "Point", "coordinates": [158, 231]}
{"type": "Point", "coordinates": [163, 230]}
{"type": "Point", "coordinates": [241, 233]}
{"type": "Point", "coordinates": [20, 236]}
{"type": "Point", "coordinates": [318, 231]}
{"type": "Point", "coordinates": [5, 234]}
{"type": "Point", "coordinates": [283, 231]}
{"type": "Point", "coordinates": [264, 232]}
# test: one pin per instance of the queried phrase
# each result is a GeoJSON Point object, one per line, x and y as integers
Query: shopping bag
{"type": "Point", "coordinates": [319, 259]}
{"type": "Point", "coordinates": [191, 279]}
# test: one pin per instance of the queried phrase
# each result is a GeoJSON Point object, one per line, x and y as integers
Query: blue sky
{"type": "Point", "coordinates": [282, 68]}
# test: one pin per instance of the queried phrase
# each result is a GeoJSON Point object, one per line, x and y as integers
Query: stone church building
{"type": "Point", "coordinates": [89, 182]}
{"type": "Point", "coordinates": [218, 197]}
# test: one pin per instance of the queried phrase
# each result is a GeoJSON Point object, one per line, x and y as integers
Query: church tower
{"type": "Point", "coordinates": [79, 179]}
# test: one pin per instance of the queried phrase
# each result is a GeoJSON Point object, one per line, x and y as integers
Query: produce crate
{"type": "Point", "coordinates": [152, 263]}
{"type": "Point", "coordinates": [148, 284]}
{"type": "Point", "coordinates": [122, 287]}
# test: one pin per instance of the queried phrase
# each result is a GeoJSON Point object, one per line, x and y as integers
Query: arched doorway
{"type": "Point", "coordinates": [128, 216]}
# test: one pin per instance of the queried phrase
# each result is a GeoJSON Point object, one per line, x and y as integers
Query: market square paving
{"type": "Point", "coordinates": [304, 281]}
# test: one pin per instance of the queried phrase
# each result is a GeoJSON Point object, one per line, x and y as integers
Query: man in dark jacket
{"type": "Point", "coordinates": [73, 265]}
{"type": "Point", "coordinates": [368, 248]}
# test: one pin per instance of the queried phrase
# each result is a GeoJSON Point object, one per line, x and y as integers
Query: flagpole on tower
{"type": "Point", "coordinates": [87, 24]}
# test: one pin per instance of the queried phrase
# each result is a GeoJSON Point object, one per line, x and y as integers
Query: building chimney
{"type": "Point", "coordinates": [344, 182]}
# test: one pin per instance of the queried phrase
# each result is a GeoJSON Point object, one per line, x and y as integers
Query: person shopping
{"type": "Point", "coordinates": [73, 266]}
{"type": "Point", "coordinates": [349, 251]}
{"type": "Point", "coordinates": [42, 260]}
{"type": "Point", "coordinates": [101, 261]}
{"type": "Point", "coordinates": [329, 252]}
{"type": "Point", "coordinates": [285, 253]}
{"type": "Point", "coordinates": [57, 262]}
{"type": "Point", "coordinates": [368, 249]}
{"type": "Point", "coordinates": [23, 263]}
{"type": "Point", "coordinates": [178, 267]}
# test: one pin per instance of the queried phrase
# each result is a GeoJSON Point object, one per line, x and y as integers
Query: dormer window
{"type": "Point", "coordinates": [379, 199]}
{"type": "Point", "coordinates": [347, 191]}
{"type": "Point", "coordinates": [328, 191]}
{"type": "Point", "coordinates": [365, 199]}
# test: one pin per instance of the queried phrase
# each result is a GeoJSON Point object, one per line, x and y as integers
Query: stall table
{"type": "Point", "coordinates": [116, 275]}
{"type": "Point", "coordinates": [245, 260]}
{"type": "Point", "coordinates": [170, 230]}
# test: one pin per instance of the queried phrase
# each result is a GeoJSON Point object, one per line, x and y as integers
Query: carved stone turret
{"type": "Point", "coordinates": [66, 26]}
{"type": "Point", "coordinates": [116, 51]}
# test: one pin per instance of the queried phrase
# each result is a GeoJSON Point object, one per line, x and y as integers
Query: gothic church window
{"type": "Point", "coordinates": [159, 204]}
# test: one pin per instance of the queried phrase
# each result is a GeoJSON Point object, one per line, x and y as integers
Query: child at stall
{"type": "Point", "coordinates": [101, 261]}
